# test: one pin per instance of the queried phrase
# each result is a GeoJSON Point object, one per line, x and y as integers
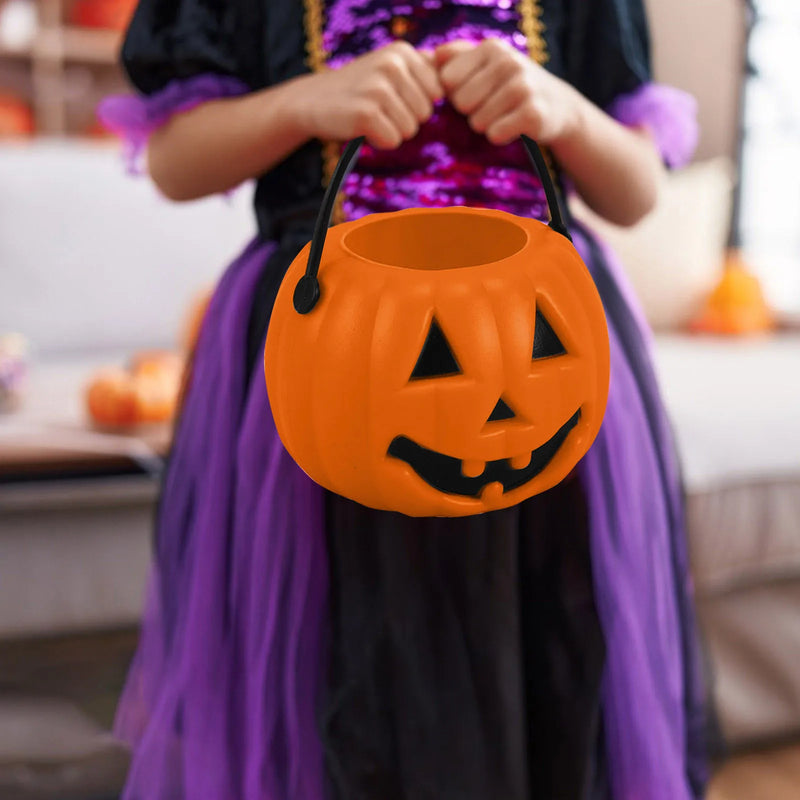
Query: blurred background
{"type": "Point", "coordinates": [102, 286]}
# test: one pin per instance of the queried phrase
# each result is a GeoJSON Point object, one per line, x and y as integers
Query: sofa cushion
{"type": "Point", "coordinates": [733, 405]}
{"type": "Point", "coordinates": [97, 259]}
{"type": "Point", "coordinates": [673, 257]}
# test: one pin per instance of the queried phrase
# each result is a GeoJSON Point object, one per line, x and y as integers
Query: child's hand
{"type": "Point", "coordinates": [384, 95]}
{"type": "Point", "coordinates": [504, 93]}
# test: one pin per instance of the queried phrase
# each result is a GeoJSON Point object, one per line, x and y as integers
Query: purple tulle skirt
{"type": "Point", "coordinates": [222, 698]}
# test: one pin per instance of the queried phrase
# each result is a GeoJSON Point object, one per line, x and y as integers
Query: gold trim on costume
{"type": "Point", "coordinates": [532, 25]}
{"type": "Point", "coordinates": [313, 20]}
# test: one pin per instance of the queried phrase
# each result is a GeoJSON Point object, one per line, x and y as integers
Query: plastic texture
{"type": "Point", "coordinates": [505, 299]}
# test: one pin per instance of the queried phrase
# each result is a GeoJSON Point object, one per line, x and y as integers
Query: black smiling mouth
{"type": "Point", "coordinates": [444, 472]}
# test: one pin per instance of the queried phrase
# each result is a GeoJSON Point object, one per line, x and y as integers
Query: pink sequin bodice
{"type": "Point", "coordinates": [446, 163]}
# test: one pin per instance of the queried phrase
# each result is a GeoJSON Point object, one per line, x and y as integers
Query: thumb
{"type": "Point", "coordinates": [428, 53]}
{"type": "Point", "coordinates": [444, 52]}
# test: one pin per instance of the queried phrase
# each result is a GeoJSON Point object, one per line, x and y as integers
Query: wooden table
{"type": "Point", "coordinates": [76, 509]}
{"type": "Point", "coordinates": [51, 435]}
{"type": "Point", "coordinates": [772, 774]}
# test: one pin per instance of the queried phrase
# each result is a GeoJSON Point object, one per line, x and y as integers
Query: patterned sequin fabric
{"type": "Point", "coordinates": [446, 163]}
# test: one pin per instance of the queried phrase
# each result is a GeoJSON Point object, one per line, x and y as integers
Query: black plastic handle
{"type": "Point", "coordinates": [306, 293]}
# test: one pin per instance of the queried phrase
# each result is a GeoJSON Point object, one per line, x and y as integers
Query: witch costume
{"type": "Point", "coordinates": [299, 646]}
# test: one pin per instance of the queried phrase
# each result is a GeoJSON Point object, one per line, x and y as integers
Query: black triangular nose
{"type": "Point", "coordinates": [501, 411]}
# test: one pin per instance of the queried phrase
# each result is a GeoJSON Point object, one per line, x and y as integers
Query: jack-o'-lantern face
{"type": "Point", "coordinates": [476, 478]}
{"type": "Point", "coordinates": [443, 390]}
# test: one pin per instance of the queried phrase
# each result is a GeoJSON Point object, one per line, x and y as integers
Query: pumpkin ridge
{"type": "Point", "coordinates": [380, 304]}
{"type": "Point", "coordinates": [314, 441]}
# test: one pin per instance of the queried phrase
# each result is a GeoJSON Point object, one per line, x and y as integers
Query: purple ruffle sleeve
{"type": "Point", "coordinates": [134, 117]}
{"type": "Point", "coordinates": [669, 113]}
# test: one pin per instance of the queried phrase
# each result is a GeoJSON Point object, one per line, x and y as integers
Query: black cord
{"type": "Point", "coordinates": [306, 293]}
{"type": "Point", "coordinates": [556, 218]}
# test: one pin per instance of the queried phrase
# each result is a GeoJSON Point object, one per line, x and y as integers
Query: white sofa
{"type": "Point", "coordinates": [92, 259]}
{"type": "Point", "coordinates": [95, 265]}
{"type": "Point", "coordinates": [734, 406]}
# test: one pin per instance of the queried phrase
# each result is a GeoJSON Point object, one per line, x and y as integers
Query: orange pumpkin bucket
{"type": "Point", "coordinates": [438, 361]}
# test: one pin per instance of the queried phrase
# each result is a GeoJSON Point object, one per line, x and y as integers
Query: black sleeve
{"type": "Point", "coordinates": [169, 39]}
{"type": "Point", "coordinates": [607, 48]}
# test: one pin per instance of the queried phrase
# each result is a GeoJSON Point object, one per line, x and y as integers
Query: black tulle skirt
{"type": "Point", "coordinates": [465, 654]}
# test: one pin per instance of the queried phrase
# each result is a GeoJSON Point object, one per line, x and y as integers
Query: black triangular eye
{"type": "Point", "coordinates": [501, 411]}
{"type": "Point", "coordinates": [545, 341]}
{"type": "Point", "coordinates": [436, 358]}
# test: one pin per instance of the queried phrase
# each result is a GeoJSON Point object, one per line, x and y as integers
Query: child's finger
{"type": "Point", "coordinates": [494, 107]}
{"type": "Point", "coordinates": [461, 64]}
{"type": "Point", "coordinates": [400, 111]}
{"type": "Point", "coordinates": [508, 127]}
{"type": "Point", "coordinates": [419, 91]}
{"type": "Point", "coordinates": [427, 75]}
{"type": "Point", "coordinates": [383, 132]}
{"type": "Point", "coordinates": [488, 85]}
{"type": "Point", "coordinates": [444, 52]}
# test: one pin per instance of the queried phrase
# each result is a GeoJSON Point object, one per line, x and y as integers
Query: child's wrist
{"type": "Point", "coordinates": [574, 116]}
{"type": "Point", "coordinates": [298, 111]}
{"type": "Point", "coordinates": [574, 123]}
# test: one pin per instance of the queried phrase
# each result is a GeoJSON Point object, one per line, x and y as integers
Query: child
{"type": "Point", "coordinates": [298, 645]}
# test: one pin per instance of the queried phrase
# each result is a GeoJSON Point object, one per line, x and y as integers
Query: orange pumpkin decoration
{"type": "Point", "coordinates": [194, 318]}
{"type": "Point", "coordinates": [736, 306]}
{"type": "Point", "coordinates": [146, 393]}
{"type": "Point", "coordinates": [156, 396]}
{"type": "Point", "coordinates": [453, 360]}
{"type": "Point", "coordinates": [16, 118]}
{"type": "Point", "coordinates": [162, 363]}
{"type": "Point", "coordinates": [157, 376]}
{"type": "Point", "coordinates": [111, 398]}
{"type": "Point", "coordinates": [109, 14]}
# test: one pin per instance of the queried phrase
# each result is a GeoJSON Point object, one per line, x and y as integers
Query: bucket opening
{"type": "Point", "coordinates": [432, 240]}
